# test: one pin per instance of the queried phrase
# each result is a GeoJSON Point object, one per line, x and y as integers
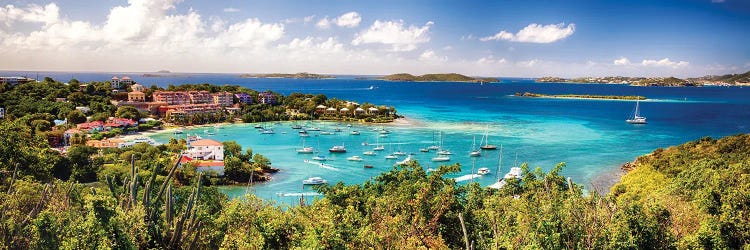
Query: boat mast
{"type": "Point", "coordinates": [500, 163]}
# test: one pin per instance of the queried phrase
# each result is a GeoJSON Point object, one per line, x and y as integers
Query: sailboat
{"type": "Point", "coordinates": [637, 118]}
{"type": "Point", "coordinates": [434, 145]}
{"type": "Point", "coordinates": [305, 150]}
{"type": "Point", "coordinates": [486, 139]}
{"type": "Point", "coordinates": [474, 151]}
{"type": "Point", "coordinates": [378, 147]}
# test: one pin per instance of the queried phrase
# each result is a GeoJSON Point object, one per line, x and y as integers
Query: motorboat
{"type": "Point", "coordinates": [483, 171]}
{"type": "Point", "coordinates": [337, 149]}
{"type": "Point", "coordinates": [391, 157]}
{"type": "Point", "coordinates": [354, 132]}
{"type": "Point", "coordinates": [371, 153]}
{"type": "Point", "coordinates": [306, 150]}
{"type": "Point", "coordinates": [320, 158]}
{"type": "Point", "coordinates": [354, 158]}
{"type": "Point", "coordinates": [314, 181]}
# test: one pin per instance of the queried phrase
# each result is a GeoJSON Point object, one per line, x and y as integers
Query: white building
{"type": "Point", "coordinates": [205, 149]}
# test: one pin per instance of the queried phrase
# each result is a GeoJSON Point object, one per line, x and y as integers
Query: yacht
{"type": "Point", "coordinates": [405, 161]}
{"type": "Point", "coordinates": [296, 126]}
{"type": "Point", "coordinates": [371, 153]}
{"type": "Point", "coordinates": [637, 118]}
{"type": "Point", "coordinates": [267, 131]}
{"type": "Point", "coordinates": [444, 152]}
{"type": "Point", "coordinates": [314, 181]}
{"type": "Point", "coordinates": [354, 158]}
{"type": "Point", "coordinates": [379, 148]}
{"type": "Point", "coordinates": [440, 158]}
{"type": "Point", "coordinates": [354, 132]}
{"type": "Point", "coordinates": [314, 129]}
{"type": "Point", "coordinates": [306, 150]}
{"type": "Point", "coordinates": [337, 149]}
{"type": "Point", "coordinates": [326, 133]}
{"type": "Point", "coordinates": [368, 166]}
{"type": "Point", "coordinates": [391, 157]}
{"type": "Point", "coordinates": [258, 126]}
{"type": "Point", "coordinates": [433, 147]}
{"type": "Point", "coordinates": [424, 150]}
{"type": "Point", "coordinates": [486, 140]}
{"type": "Point", "coordinates": [399, 153]}
{"type": "Point", "coordinates": [483, 171]}
{"type": "Point", "coordinates": [474, 151]}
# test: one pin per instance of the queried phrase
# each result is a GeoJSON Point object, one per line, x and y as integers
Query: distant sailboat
{"type": "Point", "coordinates": [637, 118]}
{"type": "Point", "coordinates": [474, 151]}
{"type": "Point", "coordinates": [486, 139]}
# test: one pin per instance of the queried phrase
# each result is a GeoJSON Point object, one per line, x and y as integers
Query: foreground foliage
{"type": "Point", "coordinates": [691, 196]}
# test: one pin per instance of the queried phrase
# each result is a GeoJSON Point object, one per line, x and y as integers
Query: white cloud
{"type": "Point", "coordinates": [431, 56]}
{"type": "Point", "coordinates": [491, 60]}
{"type": "Point", "coordinates": [33, 13]}
{"type": "Point", "coordinates": [349, 20]}
{"type": "Point", "coordinates": [622, 61]}
{"type": "Point", "coordinates": [529, 63]}
{"type": "Point", "coordinates": [664, 63]}
{"type": "Point", "coordinates": [308, 19]}
{"type": "Point", "coordinates": [394, 33]}
{"type": "Point", "coordinates": [468, 37]}
{"type": "Point", "coordinates": [324, 23]}
{"type": "Point", "coordinates": [230, 9]}
{"type": "Point", "coordinates": [535, 33]}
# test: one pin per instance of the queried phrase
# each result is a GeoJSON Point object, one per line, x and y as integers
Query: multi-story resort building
{"type": "Point", "coordinates": [119, 83]}
{"type": "Point", "coordinates": [244, 98]}
{"type": "Point", "coordinates": [267, 98]}
{"type": "Point", "coordinates": [224, 99]}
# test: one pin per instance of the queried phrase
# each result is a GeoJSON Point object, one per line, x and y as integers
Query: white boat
{"type": "Point", "coordinates": [433, 147]}
{"type": "Point", "coordinates": [486, 140]}
{"type": "Point", "coordinates": [355, 132]}
{"type": "Point", "coordinates": [306, 150]}
{"type": "Point", "coordinates": [314, 129]}
{"type": "Point", "coordinates": [424, 150]}
{"type": "Point", "coordinates": [379, 148]}
{"type": "Point", "coordinates": [637, 118]}
{"type": "Point", "coordinates": [369, 153]}
{"type": "Point", "coordinates": [267, 131]}
{"type": "Point", "coordinates": [258, 126]}
{"type": "Point", "coordinates": [391, 157]}
{"type": "Point", "coordinates": [483, 171]}
{"type": "Point", "coordinates": [405, 161]}
{"type": "Point", "coordinates": [326, 133]}
{"type": "Point", "coordinates": [475, 153]}
{"type": "Point", "coordinates": [444, 152]}
{"type": "Point", "coordinates": [337, 149]}
{"type": "Point", "coordinates": [515, 172]}
{"type": "Point", "coordinates": [354, 158]}
{"type": "Point", "coordinates": [178, 131]}
{"type": "Point", "coordinates": [399, 153]}
{"type": "Point", "coordinates": [441, 158]}
{"type": "Point", "coordinates": [314, 181]}
{"type": "Point", "coordinates": [320, 158]}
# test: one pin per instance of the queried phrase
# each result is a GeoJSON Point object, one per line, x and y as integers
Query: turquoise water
{"type": "Point", "coordinates": [589, 135]}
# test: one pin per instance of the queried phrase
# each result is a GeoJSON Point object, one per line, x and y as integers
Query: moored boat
{"type": "Point", "coordinates": [314, 181]}
{"type": "Point", "coordinates": [337, 149]}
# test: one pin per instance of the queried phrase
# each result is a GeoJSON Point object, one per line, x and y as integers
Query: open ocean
{"type": "Point", "coordinates": [590, 136]}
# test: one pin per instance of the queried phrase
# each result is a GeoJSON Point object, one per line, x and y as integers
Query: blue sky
{"type": "Point", "coordinates": [487, 38]}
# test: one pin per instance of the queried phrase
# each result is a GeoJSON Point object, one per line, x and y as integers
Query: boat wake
{"type": "Point", "coordinates": [322, 165]}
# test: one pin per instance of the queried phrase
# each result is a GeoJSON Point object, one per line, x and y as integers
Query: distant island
{"type": "Point", "coordinates": [450, 77]}
{"type": "Point", "coordinates": [302, 75]}
{"type": "Point", "coordinates": [579, 96]}
{"type": "Point", "coordinates": [723, 80]}
{"type": "Point", "coordinates": [163, 71]}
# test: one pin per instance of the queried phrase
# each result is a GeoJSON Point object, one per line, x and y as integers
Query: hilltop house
{"type": "Point", "coordinates": [205, 149]}
{"type": "Point", "coordinates": [118, 83]}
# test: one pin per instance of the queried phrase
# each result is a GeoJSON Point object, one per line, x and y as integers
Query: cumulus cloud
{"type": "Point", "coordinates": [323, 23]}
{"type": "Point", "coordinates": [664, 63]}
{"type": "Point", "coordinates": [395, 34]}
{"type": "Point", "coordinates": [535, 33]}
{"type": "Point", "coordinates": [491, 60]}
{"type": "Point", "coordinates": [621, 61]}
{"type": "Point", "coordinates": [230, 9]}
{"type": "Point", "coordinates": [349, 20]}
{"type": "Point", "coordinates": [431, 56]}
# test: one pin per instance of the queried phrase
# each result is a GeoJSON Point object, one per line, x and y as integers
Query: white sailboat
{"type": "Point", "coordinates": [305, 150]}
{"type": "Point", "coordinates": [637, 118]}
{"type": "Point", "coordinates": [486, 140]}
{"type": "Point", "coordinates": [474, 151]}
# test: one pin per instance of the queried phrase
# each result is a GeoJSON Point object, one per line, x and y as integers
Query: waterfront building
{"type": "Point", "coordinates": [320, 109]}
{"type": "Point", "coordinates": [373, 110]}
{"type": "Point", "coordinates": [136, 96]}
{"type": "Point", "coordinates": [244, 98]}
{"type": "Point", "coordinates": [172, 97]}
{"type": "Point", "coordinates": [205, 149]}
{"type": "Point", "coordinates": [344, 111]}
{"type": "Point", "coordinates": [224, 99]}
{"type": "Point", "coordinates": [359, 111]}
{"type": "Point", "coordinates": [200, 97]}
{"type": "Point", "coordinates": [138, 87]}
{"type": "Point", "coordinates": [106, 143]}
{"type": "Point", "coordinates": [267, 98]}
{"type": "Point", "coordinates": [119, 83]}
{"type": "Point", "coordinates": [188, 109]}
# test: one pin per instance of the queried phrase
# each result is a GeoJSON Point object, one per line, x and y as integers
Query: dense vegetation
{"type": "Point", "coordinates": [605, 97]}
{"type": "Point", "coordinates": [691, 196]}
{"type": "Point", "coordinates": [450, 77]}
